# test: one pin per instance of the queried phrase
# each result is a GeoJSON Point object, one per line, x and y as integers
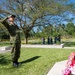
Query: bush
{"type": "Point", "coordinates": [5, 36]}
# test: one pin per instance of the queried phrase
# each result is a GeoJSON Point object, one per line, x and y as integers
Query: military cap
{"type": "Point", "coordinates": [11, 16]}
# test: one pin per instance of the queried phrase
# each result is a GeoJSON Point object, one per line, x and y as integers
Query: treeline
{"type": "Point", "coordinates": [63, 30]}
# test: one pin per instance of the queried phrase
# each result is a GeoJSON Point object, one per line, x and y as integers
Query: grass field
{"type": "Point", "coordinates": [35, 61]}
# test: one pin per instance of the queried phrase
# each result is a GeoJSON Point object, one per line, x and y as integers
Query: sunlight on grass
{"type": "Point", "coordinates": [34, 61]}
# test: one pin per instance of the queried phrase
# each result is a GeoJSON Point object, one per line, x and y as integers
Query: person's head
{"type": "Point", "coordinates": [11, 18]}
{"type": "Point", "coordinates": [72, 56]}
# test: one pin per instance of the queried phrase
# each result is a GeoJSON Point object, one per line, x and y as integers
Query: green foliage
{"type": "Point", "coordinates": [5, 36]}
{"type": "Point", "coordinates": [3, 32]}
{"type": "Point", "coordinates": [61, 29]}
{"type": "Point", "coordinates": [70, 28]}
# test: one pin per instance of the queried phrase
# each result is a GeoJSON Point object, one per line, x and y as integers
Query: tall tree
{"type": "Point", "coordinates": [70, 28]}
{"type": "Point", "coordinates": [30, 13]}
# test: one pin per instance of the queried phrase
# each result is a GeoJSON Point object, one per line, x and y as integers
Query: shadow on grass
{"type": "Point", "coordinates": [4, 60]}
{"type": "Point", "coordinates": [29, 60]}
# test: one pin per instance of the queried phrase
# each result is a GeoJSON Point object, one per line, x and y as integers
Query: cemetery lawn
{"type": "Point", "coordinates": [35, 61]}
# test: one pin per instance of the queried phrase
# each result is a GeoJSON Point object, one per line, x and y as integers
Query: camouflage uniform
{"type": "Point", "coordinates": [14, 39]}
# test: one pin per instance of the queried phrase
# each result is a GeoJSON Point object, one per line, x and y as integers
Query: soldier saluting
{"type": "Point", "coordinates": [15, 40]}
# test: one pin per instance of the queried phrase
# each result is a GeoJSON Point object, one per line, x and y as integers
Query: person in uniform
{"type": "Point", "coordinates": [15, 40]}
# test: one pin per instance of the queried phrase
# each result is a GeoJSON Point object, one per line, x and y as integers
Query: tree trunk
{"type": "Point", "coordinates": [26, 40]}
{"type": "Point", "coordinates": [26, 36]}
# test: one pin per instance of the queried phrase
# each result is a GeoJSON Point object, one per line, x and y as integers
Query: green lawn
{"type": "Point", "coordinates": [34, 61]}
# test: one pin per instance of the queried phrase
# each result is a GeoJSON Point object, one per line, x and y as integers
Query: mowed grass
{"type": "Point", "coordinates": [35, 61]}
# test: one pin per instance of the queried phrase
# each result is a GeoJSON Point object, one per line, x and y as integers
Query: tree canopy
{"type": "Point", "coordinates": [32, 13]}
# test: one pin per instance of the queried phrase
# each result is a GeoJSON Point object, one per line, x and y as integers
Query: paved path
{"type": "Point", "coordinates": [4, 49]}
{"type": "Point", "coordinates": [42, 46]}
{"type": "Point", "coordinates": [57, 68]}
{"type": "Point", "coordinates": [47, 46]}
{"type": "Point", "coordinates": [7, 48]}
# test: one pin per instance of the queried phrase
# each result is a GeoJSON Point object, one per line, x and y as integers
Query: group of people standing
{"type": "Point", "coordinates": [50, 40]}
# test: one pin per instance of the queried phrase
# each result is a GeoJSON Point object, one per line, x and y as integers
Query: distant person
{"type": "Point", "coordinates": [48, 40]}
{"type": "Point", "coordinates": [15, 40]}
{"type": "Point", "coordinates": [43, 40]}
{"type": "Point", "coordinates": [51, 40]}
{"type": "Point", "coordinates": [59, 39]}
{"type": "Point", "coordinates": [55, 39]}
